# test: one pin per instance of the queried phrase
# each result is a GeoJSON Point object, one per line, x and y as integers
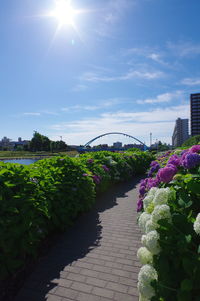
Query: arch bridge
{"type": "Point", "coordinates": [114, 133]}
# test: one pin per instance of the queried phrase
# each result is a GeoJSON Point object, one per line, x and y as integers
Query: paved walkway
{"type": "Point", "coordinates": [96, 259]}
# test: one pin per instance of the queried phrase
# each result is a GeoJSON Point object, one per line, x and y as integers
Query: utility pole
{"type": "Point", "coordinates": [61, 138]}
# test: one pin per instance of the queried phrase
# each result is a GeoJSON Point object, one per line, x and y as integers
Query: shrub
{"type": "Point", "coordinates": [171, 223]}
{"type": "Point", "coordinates": [46, 196]}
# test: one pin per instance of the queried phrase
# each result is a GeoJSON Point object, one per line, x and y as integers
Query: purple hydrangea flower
{"type": "Point", "coordinates": [96, 179]}
{"type": "Point", "coordinates": [191, 160]}
{"type": "Point", "coordinates": [90, 161]}
{"type": "Point", "coordinates": [174, 160]}
{"type": "Point", "coordinates": [152, 182]}
{"type": "Point", "coordinates": [139, 205]}
{"type": "Point", "coordinates": [195, 148]}
{"type": "Point", "coordinates": [142, 190]}
{"type": "Point", "coordinates": [105, 168]}
{"type": "Point", "coordinates": [166, 174]}
{"type": "Point", "coordinates": [153, 163]}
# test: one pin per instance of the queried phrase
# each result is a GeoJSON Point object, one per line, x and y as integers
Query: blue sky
{"type": "Point", "coordinates": [125, 65]}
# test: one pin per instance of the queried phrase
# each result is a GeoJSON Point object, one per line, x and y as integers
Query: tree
{"type": "Point", "coordinates": [192, 141]}
{"type": "Point", "coordinates": [39, 142]}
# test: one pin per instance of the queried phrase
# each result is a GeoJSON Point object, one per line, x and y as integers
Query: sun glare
{"type": "Point", "coordinates": [64, 13]}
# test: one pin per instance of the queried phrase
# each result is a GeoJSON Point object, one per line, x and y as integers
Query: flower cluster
{"type": "Point", "coordinates": [146, 275]}
{"type": "Point", "coordinates": [169, 218]}
{"type": "Point", "coordinates": [155, 209]}
{"type": "Point", "coordinates": [165, 168]}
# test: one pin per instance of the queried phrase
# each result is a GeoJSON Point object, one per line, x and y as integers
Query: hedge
{"type": "Point", "coordinates": [46, 196]}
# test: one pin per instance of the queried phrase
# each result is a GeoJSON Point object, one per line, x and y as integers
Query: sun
{"type": "Point", "coordinates": [64, 13]}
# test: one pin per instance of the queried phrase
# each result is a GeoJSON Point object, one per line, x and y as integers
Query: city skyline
{"type": "Point", "coordinates": [122, 66]}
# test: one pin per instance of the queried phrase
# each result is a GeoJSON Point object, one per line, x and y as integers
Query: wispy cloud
{"type": "Point", "coordinates": [150, 53]}
{"type": "Point", "coordinates": [162, 98]}
{"type": "Point", "coordinates": [31, 114]}
{"type": "Point", "coordinates": [191, 81]}
{"type": "Point", "coordinates": [111, 13]}
{"type": "Point", "coordinates": [101, 105]}
{"type": "Point", "coordinates": [184, 48]}
{"type": "Point", "coordinates": [131, 74]}
{"type": "Point", "coordinates": [79, 88]}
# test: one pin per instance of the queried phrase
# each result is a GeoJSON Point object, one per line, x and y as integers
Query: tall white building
{"type": "Point", "coordinates": [181, 132]}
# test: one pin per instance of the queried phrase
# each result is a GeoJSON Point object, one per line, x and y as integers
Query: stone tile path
{"type": "Point", "coordinates": [95, 260]}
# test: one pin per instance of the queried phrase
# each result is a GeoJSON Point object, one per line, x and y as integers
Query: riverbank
{"type": "Point", "coordinates": [7, 155]}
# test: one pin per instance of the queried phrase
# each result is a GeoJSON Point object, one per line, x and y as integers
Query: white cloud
{"type": "Point", "coordinates": [191, 81]}
{"type": "Point", "coordinates": [32, 114]}
{"type": "Point", "coordinates": [159, 121]}
{"type": "Point", "coordinates": [184, 48]}
{"type": "Point", "coordinates": [162, 98]}
{"type": "Point", "coordinates": [101, 104]}
{"type": "Point", "coordinates": [131, 74]}
{"type": "Point", "coordinates": [79, 88]}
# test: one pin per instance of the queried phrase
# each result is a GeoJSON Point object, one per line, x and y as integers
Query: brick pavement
{"type": "Point", "coordinates": [95, 260]}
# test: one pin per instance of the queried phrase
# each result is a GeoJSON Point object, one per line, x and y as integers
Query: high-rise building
{"type": "Point", "coordinates": [180, 133]}
{"type": "Point", "coordinates": [195, 113]}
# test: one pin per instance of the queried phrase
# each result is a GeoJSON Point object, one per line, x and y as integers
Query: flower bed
{"type": "Point", "coordinates": [169, 206]}
{"type": "Point", "coordinates": [38, 199]}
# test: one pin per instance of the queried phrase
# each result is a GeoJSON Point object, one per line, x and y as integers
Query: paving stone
{"type": "Point", "coordinates": [96, 281]}
{"type": "Point", "coordinates": [88, 297]}
{"type": "Point", "coordinates": [66, 292]}
{"type": "Point", "coordinates": [103, 292]}
{"type": "Point", "coordinates": [82, 287]}
{"type": "Point", "coordinates": [117, 287]}
{"type": "Point", "coordinates": [76, 277]}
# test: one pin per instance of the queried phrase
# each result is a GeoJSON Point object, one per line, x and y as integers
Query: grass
{"type": "Point", "coordinates": [26, 154]}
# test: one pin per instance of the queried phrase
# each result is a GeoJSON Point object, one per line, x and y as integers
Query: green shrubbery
{"type": "Point", "coordinates": [38, 199]}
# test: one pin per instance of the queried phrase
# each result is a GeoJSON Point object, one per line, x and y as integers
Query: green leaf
{"type": "Point", "coordinates": [186, 285]}
{"type": "Point", "coordinates": [188, 238]}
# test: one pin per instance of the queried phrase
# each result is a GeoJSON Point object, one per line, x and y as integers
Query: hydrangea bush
{"type": "Point", "coordinates": [169, 217]}
{"type": "Point", "coordinates": [46, 196]}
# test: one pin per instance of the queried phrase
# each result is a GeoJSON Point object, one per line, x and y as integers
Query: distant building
{"type": "Point", "coordinates": [180, 134]}
{"type": "Point", "coordinates": [139, 146]}
{"type": "Point", "coordinates": [195, 114]}
{"type": "Point", "coordinates": [117, 144]}
{"type": "Point", "coordinates": [5, 143]}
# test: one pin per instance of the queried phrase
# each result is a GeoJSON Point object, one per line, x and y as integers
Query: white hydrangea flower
{"type": "Point", "coordinates": [150, 226]}
{"type": "Point", "coordinates": [144, 217]}
{"type": "Point", "coordinates": [144, 255]}
{"type": "Point", "coordinates": [147, 201]}
{"type": "Point", "coordinates": [161, 196]}
{"type": "Point", "coordinates": [142, 298]}
{"type": "Point", "coordinates": [152, 191]}
{"type": "Point", "coordinates": [197, 224]}
{"type": "Point", "coordinates": [146, 290]}
{"type": "Point", "coordinates": [160, 212]}
{"type": "Point", "coordinates": [151, 242]}
{"type": "Point", "coordinates": [143, 240]}
{"type": "Point", "coordinates": [146, 275]}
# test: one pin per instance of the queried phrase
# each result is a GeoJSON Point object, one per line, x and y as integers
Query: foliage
{"type": "Point", "coordinates": [42, 143]}
{"type": "Point", "coordinates": [192, 141]}
{"type": "Point", "coordinates": [38, 199]}
{"type": "Point", "coordinates": [169, 200]}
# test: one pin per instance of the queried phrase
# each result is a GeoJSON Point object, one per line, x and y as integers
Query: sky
{"type": "Point", "coordinates": [124, 66]}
